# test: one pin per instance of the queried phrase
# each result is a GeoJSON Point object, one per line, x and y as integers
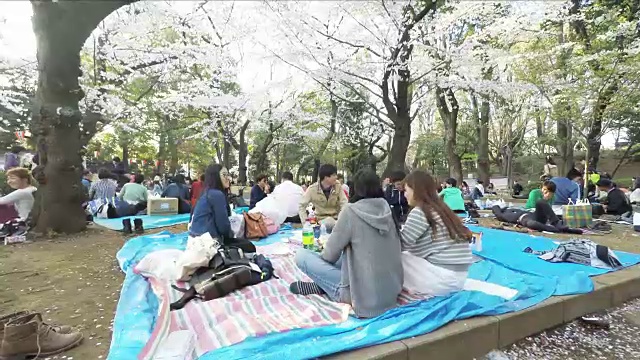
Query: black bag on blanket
{"type": "Point", "coordinates": [227, 272]}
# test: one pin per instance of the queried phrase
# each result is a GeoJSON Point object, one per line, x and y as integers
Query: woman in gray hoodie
{"type": "Point", "coordinates": [361, 263]}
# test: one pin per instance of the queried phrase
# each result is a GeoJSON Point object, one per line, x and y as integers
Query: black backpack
{"type": "Point", "coordinates": [227, 272]}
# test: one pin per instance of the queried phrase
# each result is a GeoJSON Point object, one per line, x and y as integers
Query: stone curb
{"type": "Point", "coordinates": [475, 337]}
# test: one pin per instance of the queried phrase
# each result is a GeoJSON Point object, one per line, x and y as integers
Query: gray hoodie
{"type": "Point", "coordinates": [372, 266]}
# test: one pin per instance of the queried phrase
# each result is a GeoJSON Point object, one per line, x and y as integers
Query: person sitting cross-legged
{"type": "Point", "coordinates": [616, 202]}
{"type": "Point", "coordinates": [452, 196]}
{"type": "Point", "coordinates": [326, 196]}
{"type": "Point", "coordinates": [360, 264]}
{"type": "Point", "coordinates": [541, 219]}
{"type": "Point", "coordinates": [288, 195]}
{"type": "Point", "coordinates": [135, 193]}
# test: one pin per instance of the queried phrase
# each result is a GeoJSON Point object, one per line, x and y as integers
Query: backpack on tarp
{"type": "Point", "coordinates": [227, 272]}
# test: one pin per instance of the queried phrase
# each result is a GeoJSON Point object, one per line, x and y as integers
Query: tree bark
{"type": "Point", "coordinates": [243, 151]}
{"type": "Point", "coordinates": [61, 28]}
{"type": "Point", "coordinates": [482, 131]}
{"type": "Point", "coordinates": [564, 146]}
{"type": "Point", "coordinates": [449, 115]}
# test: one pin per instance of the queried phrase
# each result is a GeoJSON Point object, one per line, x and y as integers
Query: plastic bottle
{"type": "Point", "coordinates": [323, 230]}
{"type": "Point", "coordinates": [307, 236]}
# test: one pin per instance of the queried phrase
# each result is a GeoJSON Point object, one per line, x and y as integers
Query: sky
{"type": "Point", "coordinates": [17, 42]}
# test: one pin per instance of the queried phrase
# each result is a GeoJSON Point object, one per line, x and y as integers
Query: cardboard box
{"type": "Point", "coordinates": [162, 206]}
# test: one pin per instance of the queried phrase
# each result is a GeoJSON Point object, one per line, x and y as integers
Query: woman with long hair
{"type": "Point", "coordinates": [211, 213]}
{"type": "Point", "coordinates": [360, 263]}
{"type": "Point", "coordinates": [436, 254]}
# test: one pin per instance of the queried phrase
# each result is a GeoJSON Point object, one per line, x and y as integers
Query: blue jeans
{"type": "Point", "coordinates": [326, 275]}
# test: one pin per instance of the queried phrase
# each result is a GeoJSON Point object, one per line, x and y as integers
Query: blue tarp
{"type": "Point", "coordinates": [148, 221]}
{"type": "Point", "coordinates": [534, 279]}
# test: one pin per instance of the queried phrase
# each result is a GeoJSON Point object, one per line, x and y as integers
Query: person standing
{"type": "Point", "coordinates": [550, 167]}
{"type": "Point", "coordinates": [196, 190]}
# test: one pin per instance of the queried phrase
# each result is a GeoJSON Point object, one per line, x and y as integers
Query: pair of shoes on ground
{"type": "Point", "coordinates": [13, 227]}
{"type": "Point", "coordinates": [24, 335]}
{"type": "Point", "coordinates": [137, 226]}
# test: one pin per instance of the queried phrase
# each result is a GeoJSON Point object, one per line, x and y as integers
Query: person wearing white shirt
{"type": "Point", "coordinates": [22, 197]}
{"type": "Point", "coordinates": [288, 195]}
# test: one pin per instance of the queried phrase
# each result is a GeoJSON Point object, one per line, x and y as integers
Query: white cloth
{"type": "Point", "coordinates": [345, 188]}
{"type": "Point", "coordinates": [635, 196]}
{"type": "Point", "coordinates": [199, 252]}
{"type": "Point", "coordinates": [159, 264]}
{"type": "Point", "coordinates": [288, 195]}
{"type": "Point", "coordinates": [425, 278]}
{"type": "Point", "coordinates": [21, 199]}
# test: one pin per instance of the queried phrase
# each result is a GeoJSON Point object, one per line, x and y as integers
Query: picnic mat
{"type": "Point", "coordinates": [148, 221]}
{"type": "Point", "coordinates": [508, 280]}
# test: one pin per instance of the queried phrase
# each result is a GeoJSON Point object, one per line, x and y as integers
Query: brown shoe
{"type": "Point", "coordinates": [29, 336]}
{"type": "Point", "coordinates": [4, 319]}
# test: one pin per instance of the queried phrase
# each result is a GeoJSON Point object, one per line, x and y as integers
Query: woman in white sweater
{"type": "Point", "coordinates": [22, 197]}
{"type": "Point", "coordinates": [435, 244]}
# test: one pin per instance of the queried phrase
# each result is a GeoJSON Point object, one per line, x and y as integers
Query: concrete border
{"type": "Point", "coordinates": [475, 337]}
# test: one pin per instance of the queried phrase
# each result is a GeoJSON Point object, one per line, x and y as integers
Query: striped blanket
{"type": "Point", "coordinates": [253, 311]}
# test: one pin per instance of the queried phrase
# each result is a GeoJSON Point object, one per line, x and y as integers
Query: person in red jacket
{"type": "Point", "coordinates": [196, 190]}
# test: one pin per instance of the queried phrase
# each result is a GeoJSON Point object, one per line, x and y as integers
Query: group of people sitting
{"type": "Point", "coordinates": [365, 230]}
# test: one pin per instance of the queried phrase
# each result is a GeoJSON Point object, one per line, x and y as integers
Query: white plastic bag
{"type": "Point", "coordinates": [198, 253]}
{"type": "Point", "coordinates": [269, 208]}
{"type": "Point", "coordinates": [237, 225]}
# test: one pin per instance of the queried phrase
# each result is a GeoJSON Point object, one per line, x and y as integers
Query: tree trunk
{"type": "Point", "coordinates": [624, 156]}
{"type": "Point", "coordinates": [399, 146]}
{"type": "Point", "coordinates": [226, 153]}
{"type": "Point", "coordinates": [243, 151]}
{"type": "Point", "coordinates": [449, 114]}
{"type": "Point", "coordinates": [564, 146]}
{"type": "Point", "coordinates": [61, 28]}
{"type": "Point", "coordinates": [482, 131]}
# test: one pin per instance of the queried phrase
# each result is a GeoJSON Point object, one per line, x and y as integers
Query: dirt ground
{"type": "Point", "coordinates": [71, 280]}
{"type": "Point", "coordinates": [76, 280]}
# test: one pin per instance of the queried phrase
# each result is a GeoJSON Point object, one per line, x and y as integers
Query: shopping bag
{"type": "Point", "coordinates": [237, 225]}
{"type": "Point", "coordinates": [578, 215]}
{"type": "Point", "coordinates": [636, 221]}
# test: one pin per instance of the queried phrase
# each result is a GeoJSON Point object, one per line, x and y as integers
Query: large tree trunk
{"type": "Point", "coordinates": [61, 28]}
{"type": "Point", "coordinates": [399, 146]}
{"type": "Point", "coordinates": [449, 113]}
{"type": "Point", "coordinates": [243, 151]}
{"type": "Point", "coordinates": [564, 146]}
{"type": "Point", "coordinates": [481, 116]}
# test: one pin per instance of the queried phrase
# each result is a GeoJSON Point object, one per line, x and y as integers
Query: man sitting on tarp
{"type": "Point", "coordinates": [567, 188]}
{"type": "Point", "coordinates": [616, 204]}
{"type": "Point", "coordinates": [541, 219]}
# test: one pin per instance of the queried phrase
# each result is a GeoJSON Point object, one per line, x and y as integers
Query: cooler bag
{"type": "Point", "coordinates": [578, 215]}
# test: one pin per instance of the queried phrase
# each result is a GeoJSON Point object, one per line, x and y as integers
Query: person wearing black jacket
{"type": "Point", "coordinates": [616, 203]}
{"type": "Point", "coordinates": [394, 194]}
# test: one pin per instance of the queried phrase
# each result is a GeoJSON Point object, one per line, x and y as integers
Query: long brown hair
{"type": "Point", "coordinates": [426, 198]}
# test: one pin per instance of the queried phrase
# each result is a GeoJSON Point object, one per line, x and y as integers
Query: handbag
{"type": "Point", "coordinates": [578, 215]}
{"type": "Point", "coordinates": [272, 228]}
{"type": "Point", "coordinates": [254, 226]}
